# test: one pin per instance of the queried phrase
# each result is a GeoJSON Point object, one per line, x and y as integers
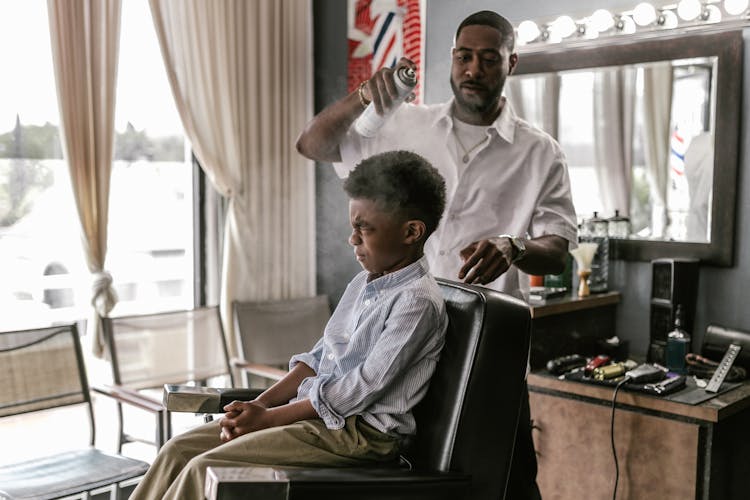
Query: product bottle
{"type": "Point", "coordinates": [678, 344]}
{"type": "Point", "coordinates": [596, 230]}
{"type": "Point", "coordinates": [369, 122]}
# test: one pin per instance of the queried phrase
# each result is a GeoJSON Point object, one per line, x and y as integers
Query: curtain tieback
{"type": "Point", "coordinates": [103, 296]}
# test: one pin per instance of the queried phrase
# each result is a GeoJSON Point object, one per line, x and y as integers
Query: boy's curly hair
{"type": "Point", "coordinates": [402, 183]}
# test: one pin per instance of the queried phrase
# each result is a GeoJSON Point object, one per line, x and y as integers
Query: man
{"type": "Point", "coordinates": [509, 206]}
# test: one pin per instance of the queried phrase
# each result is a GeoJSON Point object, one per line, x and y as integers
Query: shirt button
{"type": "Point", "coordinates": [442, 252]}
{"type": "Point", "coordinates": [367, 302]}
{"type": "Point", "coordinates": [330, 355]}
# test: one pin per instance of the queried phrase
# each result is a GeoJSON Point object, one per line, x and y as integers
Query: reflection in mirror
{"type": "Point", "coordinates": [638, 139]}
{"type": "Point", "coordinates": [640, 118]}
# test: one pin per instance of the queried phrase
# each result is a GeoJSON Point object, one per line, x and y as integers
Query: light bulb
{"type": "Point", "coordinates": [711, 14]}
{"type": "Point", "coordinates": [689, 9]}
{"type": "Point", "coordinates": [667, 19]}
{"type": "Point", "coordinates": [625, 24]}
{"type": "Point", "coordinates": [528, 31]}
{"type": "Point", "coordinates": [590, 32]}
{"type": "Point", "coordinates": [735, 7]}
{"type": "Point", "coordinates": [563, 26]}
{"type": "Point", "coordinates": [644, 14]}
{"type": "Point", "coordinates": [601, 20]}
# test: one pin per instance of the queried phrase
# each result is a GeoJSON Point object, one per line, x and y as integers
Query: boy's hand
{"type": "Point", "coordinates": [242, 417]}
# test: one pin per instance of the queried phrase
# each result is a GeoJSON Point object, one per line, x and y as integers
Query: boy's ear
{"type": "Point", "coordinates": [415, 231]}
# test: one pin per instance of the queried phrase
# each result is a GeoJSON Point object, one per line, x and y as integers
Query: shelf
{"type": "Point", "coordinates": [570, 303]}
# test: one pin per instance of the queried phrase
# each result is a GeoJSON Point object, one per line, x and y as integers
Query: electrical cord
{"type": "Point", "coordinates": [612, 434]}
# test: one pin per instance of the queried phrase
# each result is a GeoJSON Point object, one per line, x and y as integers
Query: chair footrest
{"type": "Point", "coordinates": [223, 483]}
{"type": "Point", "coordinates": [184, 398]}
{"type": "Point", "coordinates": [52, 477]}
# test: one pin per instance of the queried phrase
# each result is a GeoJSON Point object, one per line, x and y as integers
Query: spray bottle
{"type": "Point", "coordinates": [369, 122]}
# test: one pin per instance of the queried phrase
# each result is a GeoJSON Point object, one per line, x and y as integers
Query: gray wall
{"type": "Point", "coordinates": [720, 296]}
{"type": "Point", "coordinates": [335, 260]}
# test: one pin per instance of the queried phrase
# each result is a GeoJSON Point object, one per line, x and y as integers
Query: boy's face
{"type": "Point", "coordinates": [380, 239]}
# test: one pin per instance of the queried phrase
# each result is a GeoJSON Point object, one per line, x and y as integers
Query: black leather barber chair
{"type": "Point", "coordinates": [466, 423]}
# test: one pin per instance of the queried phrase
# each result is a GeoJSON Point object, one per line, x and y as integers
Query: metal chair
{"type": "Point", "coordinates": [148, 351]}
{"type": "Point", "coordinates": [269, 332]}
{"type": "Point", "coordinates": [42, 369]}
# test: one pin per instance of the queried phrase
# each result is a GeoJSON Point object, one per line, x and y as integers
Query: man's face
{"type": "Point", "coordinates": [377, 237]}
{"type": "Point", "coordinates": [480, 65]}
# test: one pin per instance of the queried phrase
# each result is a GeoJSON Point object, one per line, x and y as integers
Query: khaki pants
{"type": "Point", "coordinates": [179, 470]}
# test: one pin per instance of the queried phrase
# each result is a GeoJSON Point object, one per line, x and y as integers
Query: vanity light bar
{"type": "Point", "coordinates": [643, 17]}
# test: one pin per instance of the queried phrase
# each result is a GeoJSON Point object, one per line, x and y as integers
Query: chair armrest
{"type": "Point", "coordinates": [259, 369]}
{"type": "Point", "coordinates": [130, 396]}
{"type": "Point", "coordinates": [184, 398]}
{"type": "Point", "coordinates": [276, 483]}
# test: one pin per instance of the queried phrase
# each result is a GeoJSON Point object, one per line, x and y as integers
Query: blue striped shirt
{"type": "Point", "coordinates": [378, 351]}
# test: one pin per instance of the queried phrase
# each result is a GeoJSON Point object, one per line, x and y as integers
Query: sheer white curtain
{"type": "Point", "coordinates": [85, 39]}
{"type": "Point", "coordinates": [614, 101]}
{"type": "Point", "coordinates": [241, 75]}
{"type": "Point", "coordinates": [536, 99]}
{"type": "Point", "coordinates": [657, 110]}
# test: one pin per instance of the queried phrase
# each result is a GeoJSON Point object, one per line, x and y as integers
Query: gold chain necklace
{"type": "Point", "coordinates": [467, 152]}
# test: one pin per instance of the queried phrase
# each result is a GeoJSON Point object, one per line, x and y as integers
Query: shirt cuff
{"type": "Point", "coordinates": [306, 358]}
{"type": "Point", "coordinates": [330, 418]}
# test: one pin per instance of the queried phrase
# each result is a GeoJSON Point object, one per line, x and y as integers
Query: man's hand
{"type": "Point", "coordinates": [381, 89]}
{"type": "Point", "coordinates": [485, 260]}
{"type": "Point", "coordinates": [242, 417]}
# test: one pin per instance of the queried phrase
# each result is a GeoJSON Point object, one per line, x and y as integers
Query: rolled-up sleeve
{"type": "Point", "coordinates": [310, 358]}
{"type": "Point", "coordinates": [554, 213]}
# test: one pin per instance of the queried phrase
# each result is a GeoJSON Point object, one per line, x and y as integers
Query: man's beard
{"type": "Point", "coordinates": [481, 105]}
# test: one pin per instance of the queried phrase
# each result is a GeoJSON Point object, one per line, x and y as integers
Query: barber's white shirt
{"type": "Point", "coordinates": [515, 183]}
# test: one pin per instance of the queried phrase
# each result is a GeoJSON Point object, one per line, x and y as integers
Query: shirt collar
{"type": "Point", "coordinates": [415, 270]}
{"type": "Point", "coordinates": [504, 124]}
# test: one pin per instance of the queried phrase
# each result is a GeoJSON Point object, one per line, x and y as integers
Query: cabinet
{"type": "Point", "coordinates": [666, 450]}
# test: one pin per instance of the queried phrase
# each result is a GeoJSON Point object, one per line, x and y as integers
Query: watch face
{"type": "Point", "coordinates": [520, 248]}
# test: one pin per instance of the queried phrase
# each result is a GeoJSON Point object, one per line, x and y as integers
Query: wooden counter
{"type": "Point", "coordinates": [665, 449]}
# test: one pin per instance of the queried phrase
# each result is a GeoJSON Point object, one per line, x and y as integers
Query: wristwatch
{"type": "Point", "coordinates": [519, 248]}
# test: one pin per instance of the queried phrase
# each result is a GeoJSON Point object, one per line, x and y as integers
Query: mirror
{"type": "Point", "coordinates": [650, 127]}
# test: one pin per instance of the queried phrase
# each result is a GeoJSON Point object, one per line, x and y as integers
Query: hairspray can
{"type": "Point", "coordinates": [369, 122]}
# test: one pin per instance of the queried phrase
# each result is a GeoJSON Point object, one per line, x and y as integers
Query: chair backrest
{"type": "Point", "coordinates": [42, 368]}
{"type": "Point", "coordinates": [271, 331]}
{"type": "Point", "coordinates": [467, 421]}
{"type": "Point", "coordinates": [150, 350]}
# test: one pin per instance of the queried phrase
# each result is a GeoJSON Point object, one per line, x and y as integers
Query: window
{"type": "Point", "coordinates": [150, 251]}
{"type": "Point", "coordinates": [43, 276]}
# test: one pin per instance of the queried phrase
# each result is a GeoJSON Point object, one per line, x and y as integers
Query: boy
{"type": "Point", "coordinates": [348, 401]}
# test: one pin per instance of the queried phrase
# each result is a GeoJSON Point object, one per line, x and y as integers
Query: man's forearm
{"type": "Point", "coordinates": [544, 255]}
{"type": "Point", "coordinates": [322, 136]}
